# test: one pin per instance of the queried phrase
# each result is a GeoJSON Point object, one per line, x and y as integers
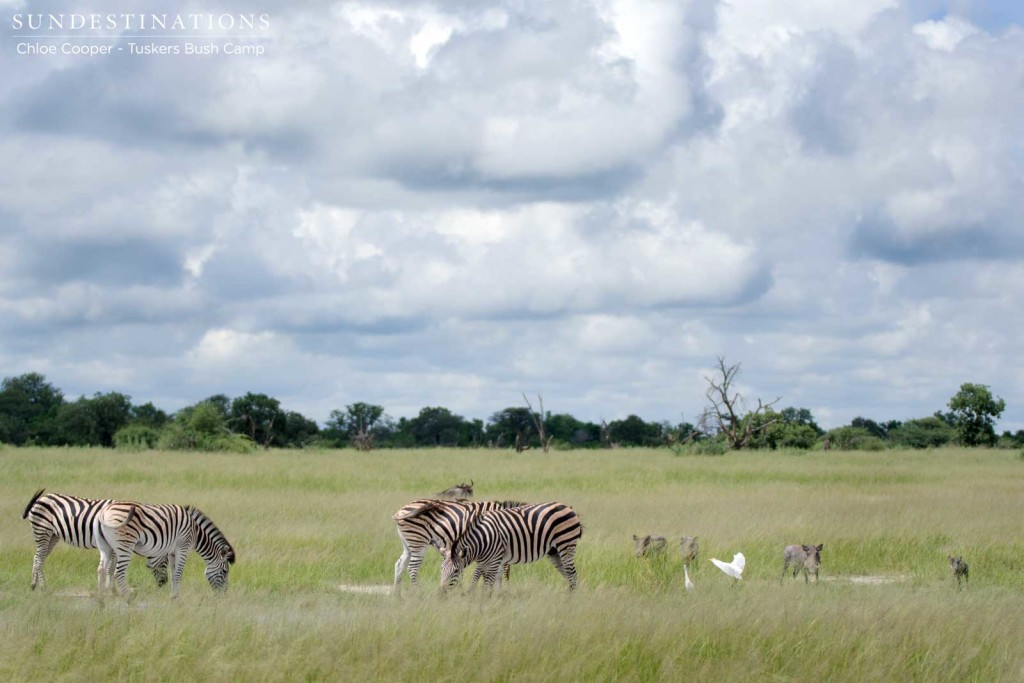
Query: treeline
{"type": "Point", "coordinates": [35, 413]}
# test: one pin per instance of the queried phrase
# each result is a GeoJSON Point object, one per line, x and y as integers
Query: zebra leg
{"type": "Point", "coordinates": [176, 560]}
{"type": "Point", "coordinates": [565, 562]}
{"type": "Point", "coordinates": [491, 573]}
{"type": "Point", "coordinates": [158, 565]}
{"type": "Point", "coordinates": [44, 546]}
{"type": "Point", "coordinates": [119, 569]}
{"type": "Point", "coordinates": [415, 561]}
{"type": "Point", "coordinates": [106, 565]}
{"type": "Point", "coordinates": [403, 561]}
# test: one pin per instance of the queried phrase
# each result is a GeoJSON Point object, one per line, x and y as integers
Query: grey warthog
{"type": "Point", "coordinates": [690, 547]}
{"type": "Point", "coordinates": [462, 490]}
{"type": "Point", "coordinates": [960, 569]}
{"type": "Point", "coordinates": [806, 557]}
{"type": "Point", "coordinates": [648, 546]}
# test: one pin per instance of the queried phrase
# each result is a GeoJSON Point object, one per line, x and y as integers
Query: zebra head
{"type": "Point", "coordinates": [454, 561]}
{"type": "Point", "coordinates": [214, 548]}
{"type": "Point", "coordinates": [217, 568]}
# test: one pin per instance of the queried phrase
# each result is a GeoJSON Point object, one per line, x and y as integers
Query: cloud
{"type": "Point", "coordinates": [449, 204]}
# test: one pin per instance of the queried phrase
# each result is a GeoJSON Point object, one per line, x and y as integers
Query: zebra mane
{"type": "Point", "coordinates": [207, 530]}
{"type": "Point", "coordinates": [506, 504]}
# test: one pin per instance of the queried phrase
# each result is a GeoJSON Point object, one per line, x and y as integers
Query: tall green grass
{"type": "Point", "coordinates": [307, 524]}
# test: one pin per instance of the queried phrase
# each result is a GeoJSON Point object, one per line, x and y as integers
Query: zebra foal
{"type": "Point", "coordinates": [517, 535]}
{"type": "Point", "coordinates": [430, 522]}
{"type": "Point", "coordinates": [58, 517]}
{"type": "Point", "coordinates": [168, 532]}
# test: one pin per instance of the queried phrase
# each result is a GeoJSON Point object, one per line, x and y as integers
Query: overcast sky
{"type": "Point", "coordinates": [452, 203]}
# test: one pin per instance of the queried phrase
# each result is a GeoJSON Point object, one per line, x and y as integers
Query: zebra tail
{"type": "Point", "coordinates": [131, 513]}
{"type": "Point", "coordinates": [425, 507]}
{"type": "Point", "coordinates": [28, 508]}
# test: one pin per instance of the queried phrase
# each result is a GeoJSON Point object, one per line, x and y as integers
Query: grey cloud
{"type": "Point", "coordinates": [876, 236]}
{"type": "Point", "coordinates": [101, 261]}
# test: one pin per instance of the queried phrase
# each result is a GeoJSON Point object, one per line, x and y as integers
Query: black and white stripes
{"type": "Point", "coordinates": [430, 522]}
{"type": "Point", "coordinates": [57, 517]}
{"type": "Point", "coordinates": [516, 536]}
{"type": "Point", "coordinates": [165, 534]}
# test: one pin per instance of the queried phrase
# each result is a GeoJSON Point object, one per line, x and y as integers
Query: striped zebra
{"type": "Point", "coordinates": [430, 522]}
{"type": "Point", "coordinates": [56, 517]}
{"type": "Point", "coordinates": [169, 532]}
{"type": "Point", "coordinates": [516, 536]}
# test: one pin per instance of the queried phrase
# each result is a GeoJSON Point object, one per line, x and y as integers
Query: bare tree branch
{"type": "Point", "coordinates": [727, 412]}
{"type": "Point", "coordinates": [538, 423]}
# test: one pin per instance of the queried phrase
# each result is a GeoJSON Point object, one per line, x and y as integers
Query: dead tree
{"type": "Point", "coordinates": [545, 440]}
{"type": "Point", "coordinates": [725, 412]}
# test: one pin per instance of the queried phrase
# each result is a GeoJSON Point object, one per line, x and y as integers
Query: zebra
{"type": "Point", "coordinates": [57, 517]}
{"type": "Point", "coordinates": [169, 532]}
{"type": "Point", "coordinates": [430, 522]}
{"type": "Point", "coordinates": [516, 536]}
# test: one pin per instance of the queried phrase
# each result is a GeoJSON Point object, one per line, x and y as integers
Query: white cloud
{"type": "Point", "coordinates": [447, 204]}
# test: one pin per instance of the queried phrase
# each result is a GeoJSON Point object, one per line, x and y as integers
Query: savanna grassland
{"type": "Point", "coordinates": [309, 527]}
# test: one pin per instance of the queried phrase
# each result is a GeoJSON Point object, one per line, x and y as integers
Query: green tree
{"type": "Point", "coordinates": [93, 421]}
{"type": "Point", "coordinates": [854, 438]}
{"type": "Point", "coordinates": [436, 427]}
{"type": "Point", "coordinates": [974, 411]}
{"type": "Point", "coordinates": [567, 429]}
{"type": "Point", "coordinates": [299, 430]}
{"type": "Point", "coordinates": [926, 432]}
{"type": "Point", "coordinates": [871, 427]}
{"type": "Point", "coordinates": [259, 417]}
{"type": "Point", "coordinates": [362, 425]}
{"type": "Point", "coordinates": [28, 409]}
{"type": "Point", "coordinates": [149, 415]}
{"type": "Point", "coordinates": [511, 426]}
{"type": "Point", "coordinates": [633, 431]}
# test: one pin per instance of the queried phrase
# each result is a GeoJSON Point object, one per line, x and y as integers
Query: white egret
{"type": "Point", "coordinates": [734, 568]}
{"type": "Point", "coordinates": [686, 576]}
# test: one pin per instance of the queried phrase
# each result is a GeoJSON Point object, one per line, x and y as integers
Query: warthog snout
{"type": "Point", "coordinates": [647, 546]}
{"type": "Point", "coordinates": [802, 557]}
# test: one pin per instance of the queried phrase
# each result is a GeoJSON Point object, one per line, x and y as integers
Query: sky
{"type": "Point", "coordinates": [452, 203]}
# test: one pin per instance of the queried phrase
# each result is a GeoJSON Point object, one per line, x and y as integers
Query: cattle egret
{"type": "Point", "coordinates": [686, 576]}
{"type": "Point", "coordinates": [734, 568]}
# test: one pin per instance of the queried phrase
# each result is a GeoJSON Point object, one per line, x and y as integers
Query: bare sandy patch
{"type": "Point", "coordinates": [870, 579]}
{"type": "Point", "coordinates": [366, 590]}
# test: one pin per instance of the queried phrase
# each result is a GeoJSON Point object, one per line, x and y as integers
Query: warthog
{"type": "Point", "coordinates": [462, 490]}
{"type": "Point", "coordinates": [960, 569]}
{"type": "Point", "coordinates": [806, 557]}
{"type": "Point", "coordinates": [691, 549]}
{"type": "Point", "coordinates": [648, 546]}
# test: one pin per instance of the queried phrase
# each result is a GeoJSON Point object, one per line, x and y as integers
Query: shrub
{"type": "Point", "coordinates": [854, 439]}
{"type": "Point", "coordinates": [927, 432]}
{"type": "Point", "coordinates": [136, 437]}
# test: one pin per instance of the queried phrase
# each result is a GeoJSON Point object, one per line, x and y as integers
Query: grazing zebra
{"type": "Point", "coordinates": [427, 522]}
{"type": "Point", "coordinates": [57, 517]}
{"type": "Point", "coordinates": [516, 536]}
{"type": "Point", "coordinates": [169, 532]}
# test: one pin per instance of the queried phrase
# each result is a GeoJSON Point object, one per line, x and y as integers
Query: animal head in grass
{"type": "Point", "coordinates": [647, 546]}
{"type": "Point", "coordinates": [453, 561]}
